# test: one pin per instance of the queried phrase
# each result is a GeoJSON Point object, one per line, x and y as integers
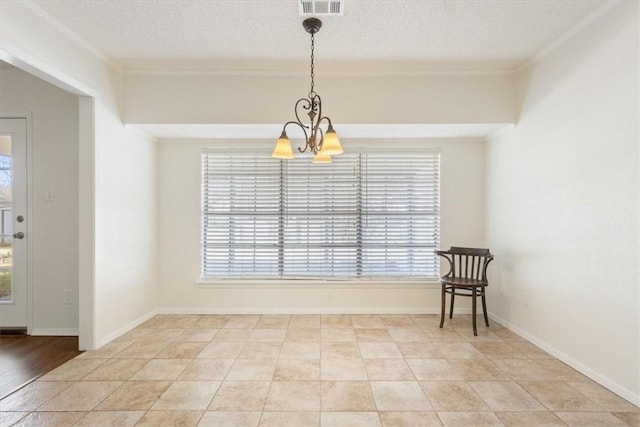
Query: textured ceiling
{"type": "Point", "coordinates": [464, 34]}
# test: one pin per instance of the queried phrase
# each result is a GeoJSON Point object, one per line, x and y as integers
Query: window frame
{"type": "Point", "coordinates": [385, 148]}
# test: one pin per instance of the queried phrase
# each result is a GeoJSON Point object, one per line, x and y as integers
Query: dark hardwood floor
{"type": "Point", "coordinates": [24, 358]}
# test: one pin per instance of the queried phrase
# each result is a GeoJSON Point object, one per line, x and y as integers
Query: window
{"type": "Point", "coordinates": [363, 216]}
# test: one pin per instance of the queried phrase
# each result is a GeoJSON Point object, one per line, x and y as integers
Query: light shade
{"type": "Point", "coordinates": [330, 143]}
{"type": "Point", "coordinates": [321, 158]}
{"type": "Point", "coordinates": [283, 148]}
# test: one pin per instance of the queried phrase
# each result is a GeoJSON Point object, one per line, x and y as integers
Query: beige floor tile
{"type": "Point", "coordinates": [560, 396]}
{"type": "Point", "coordinates": [297, 370]}
{"type": "Point", "coordinates": [197, 335]}
{"type": "Point", "coordinates": [303, 335]}
{"type": "Point", "coordinates": [367, 321]}
{"type": "Point", "coordinates": [134, 396]}
{"type": "Point", "coordinates": [498, 350]}
{"type": "Point", "coordinates": [349, 419]}
{"type": "Point", "coordinates": [538, 370]}
{"type": "Point", "coordinates": [466, 419]}
{"type": "Point", "coordinates": [293, 396]}
{"type": "Point", "coordinates": [484, 333]}
{"type": "Point", "coordinates": [433, 370]}
{"type": "Point", "coordinates": [212, 322]}
{"type": "Point", "coordinates": [632, 419]}
{"type": "Point", "coordinates": [181, 350]}
{"type": "Point", "coordinates": [268, 335]}
{"type": "Point", "coordinates": [337, 335]}
{"type": "Point", "coordinates": [410, 419]}
{"type": "Point", "coordinates": [397, 321]}
{"type": "Point", "coordinates": [407, 335]}
{"type": "Point", "coordinates": [453, 396]}
{"type": "Point", "coordinates": [206, 369]}
{"type": "Point", "coordinates": [143, 350]}
{"type": "Point", "coordinates": [282, 419]}
{"type": "Point", "coordinates": [529, 419]}
{"type": "Point", "coordinates": [260, 350]}
{"type": "Point", "coordinates": [399, 396]}
{"type": "Point", "coordinates": [419, 350]}
{"type": "Point", "coordinates": [115, 370]}
{"type": "Point", "coordinates": [72, 370]}
{"type": "Point", "coordinates": [32, 395]}
{"type": "Point", "coordinates": [81, 396]}
{"type": "Point", "coordinates": [50, 419]}
{"type": "Point", "coordinates": [373, 335]}
{"type": "Point", "coordinates": [379, 350]}
{"type": "Point", "coordinates": [252, 370]}
{"type": "Point", "coordinates": [506, 396]}
{"type": "Point", "coordinates": [240, 396]}
{"type": "Point", "coordinates": [242, 322]}
{"type": "Point", "coordinates": [342, 370]}
{"type": "Point", "coordinates": [335, 321]}
{"type": "Point", "coordinates": [274, 322]}
{"type": "Point", "coordinates": [300, 350]}
{"type": "Point", "coordinates": [111, 418]}
{"type": "Point", "coordinates": [590, 419]}
{"type": "Point", "coordinates": [305, 321]}
{"type": "Point", "coordinates": [10, 418]}
{"type": "Point", "coordinates": [479, 370]}
{"type": "Point", "coordinates": [340, 350]}
{"type": "Point", "coordinates": [528, 349]}
{"type": "Point", "coordinates": [170, 418]}
{"type": "Point", "coordinates": [187, 395]}
{"type": "Point", "coordinates": [388, 370]}
{"type": "Point", "coordinates": [603, 397]}
{"type": "Point", "coordinates": [435, 333]}
{"type": "Point", "coordinates": [106, 351]}
{"type": "Point", "coordinates": [230, 419]}
{"type": "Point", "coordinates": [221, 350]}
{"type": "Point", "coordinates": [458, 350]}
{"type": "Point", "coordinates": [161, 369]}
{"type": "Point", "coordinates": [347, 396]}
{"type": "Point", "coordinates": [234, 335]}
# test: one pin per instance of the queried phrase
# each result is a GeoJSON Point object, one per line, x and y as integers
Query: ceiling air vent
{"type": "Point", "coordinates": [321, 7]}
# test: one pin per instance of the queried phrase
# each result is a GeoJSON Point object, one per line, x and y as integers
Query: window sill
{"type": "Point", "coordinates": [317, 283]}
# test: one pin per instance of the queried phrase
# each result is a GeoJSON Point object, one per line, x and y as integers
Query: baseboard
{"type": "Point", "coordinates": [55, 332]}
{"type": "Point", "coordinates": [359, 310]}
{"type": "Point", "coordinates": [578, 366]}
{"type": "Point", "coordinates": [124, 329]}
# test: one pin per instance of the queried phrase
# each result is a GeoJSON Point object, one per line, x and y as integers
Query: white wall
{"type": "Point", "coordinates": [117, 274]}
{"type": "Point", "coordinates": [563, 203]}
{"type": "Point", "coordinates": [54, 224]}
{"type": "Point", "coordinates": [262, 99]}
{"type": "Point", "coordinates": [462, 207]}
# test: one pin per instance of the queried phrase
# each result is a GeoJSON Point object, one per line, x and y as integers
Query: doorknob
{"type": "Point", "coordinates": [18, 235]}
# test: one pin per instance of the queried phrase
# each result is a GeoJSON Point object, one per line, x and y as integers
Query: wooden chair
{"type": "Point", "coordinates": [467, 277]}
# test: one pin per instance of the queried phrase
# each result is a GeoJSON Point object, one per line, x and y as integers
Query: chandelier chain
{"type": "Point", "coordinates": [311, 93]}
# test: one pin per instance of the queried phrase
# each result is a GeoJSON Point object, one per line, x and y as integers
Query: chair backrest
{"type": "Point", "coordinates": [468, 263]}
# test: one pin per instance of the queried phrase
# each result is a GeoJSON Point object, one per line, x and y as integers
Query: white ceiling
{"type": "Point", "coordinates": [267, 34]}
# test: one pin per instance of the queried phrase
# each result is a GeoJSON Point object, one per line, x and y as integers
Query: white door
{"type": "Point", "coordinates": [13, 223]}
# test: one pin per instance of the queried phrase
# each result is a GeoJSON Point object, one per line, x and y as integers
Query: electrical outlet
{"type": "Point", "coordinates": [67, 297]}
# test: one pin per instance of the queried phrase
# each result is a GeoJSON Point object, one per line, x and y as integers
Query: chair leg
{"type": "Point", "coordinates": [473, 311]}
{"type": "Point", "coordinates": [484, 308]}
{"type": "Point", "coordinates": [453, 296]}
{"type": "Point", "coordinates": [442, 307]}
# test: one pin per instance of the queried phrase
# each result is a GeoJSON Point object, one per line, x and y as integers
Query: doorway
{"type": "Point", "coordinates": [13, 224]}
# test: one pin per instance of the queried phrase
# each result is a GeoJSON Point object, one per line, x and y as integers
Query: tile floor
{"type": "Point", "coordinates": [313, 370]}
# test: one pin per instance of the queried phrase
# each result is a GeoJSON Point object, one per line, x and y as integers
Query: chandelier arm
{"type": "Point", "coordinates": [306, 107]}
{"type": "Point", "coordinates": [304, 129]}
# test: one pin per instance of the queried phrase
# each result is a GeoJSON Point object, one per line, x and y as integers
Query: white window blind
{"type": "Point", "coordinates": [363, 216]}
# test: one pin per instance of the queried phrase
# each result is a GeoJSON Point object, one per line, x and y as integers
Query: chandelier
{"type": "Point", "coordinates": [323, 144]}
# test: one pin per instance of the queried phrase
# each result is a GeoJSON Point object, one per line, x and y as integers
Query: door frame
{"type": "Point", "coordinates": [28, 209]}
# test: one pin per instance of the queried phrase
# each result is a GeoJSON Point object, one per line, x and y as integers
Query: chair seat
{"type": "Point", "coordinates": [462, 281]}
